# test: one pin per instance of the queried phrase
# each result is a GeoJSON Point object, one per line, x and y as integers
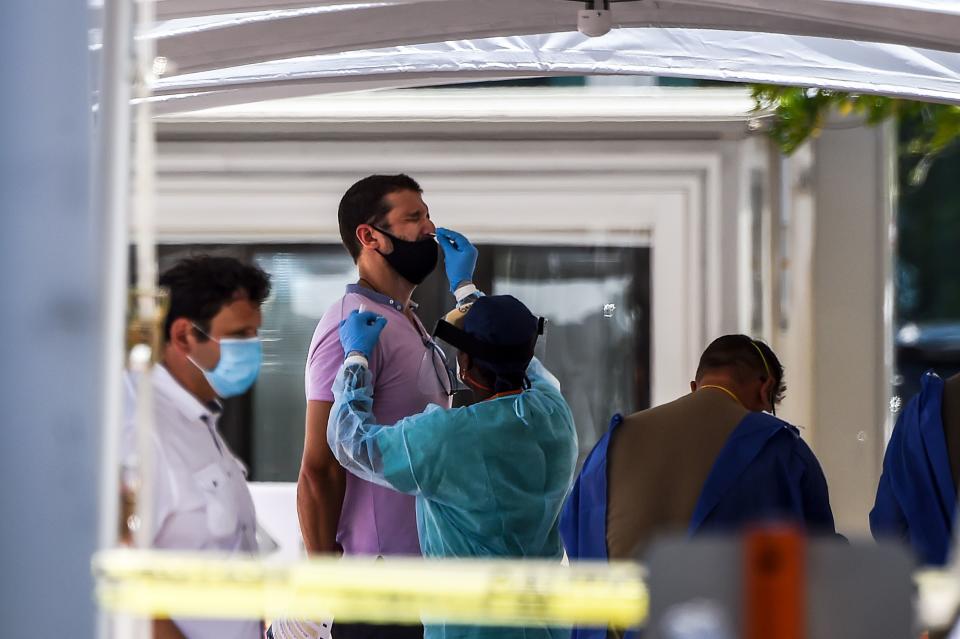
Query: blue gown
{"type": "Point", "coordinates": [763, 472]}
{"type": "Point", "coordinates": [916, 498]}
{"type": "Point", "coordinates": [490, 478]}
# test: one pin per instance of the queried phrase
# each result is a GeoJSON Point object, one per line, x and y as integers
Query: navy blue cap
{"type": "Point", "coordinates": [501, 320]}
{"type": "Point", "coordinates": [497, 329]}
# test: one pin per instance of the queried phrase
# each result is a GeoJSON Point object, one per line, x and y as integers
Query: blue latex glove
{"type": "Point", "coordinates": [359, 332]}
{"type": "Point", "coordinates": [459, 257]}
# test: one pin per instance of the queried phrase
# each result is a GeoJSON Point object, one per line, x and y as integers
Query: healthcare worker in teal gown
{"type": "Point", "coordinates": [490, 478]}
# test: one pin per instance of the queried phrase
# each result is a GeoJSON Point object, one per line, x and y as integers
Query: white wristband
{"type": "Point", "coordinates": [464, 291]}
{"type": "Point", "coordinates": [357, 358]}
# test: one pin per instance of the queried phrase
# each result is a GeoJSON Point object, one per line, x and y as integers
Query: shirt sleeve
{"type": "Point", "coordinates": [322, 366]}
{"type": "Point", "coordinates": [817, 514]}
{"type": "Point", "coordinates": [887, 519]}
{"type": "Point", "coordinates": [323, 363]}
{"type": "Point", "coordinates": [397, 456]}
{"type": "Point", "coordinates": [165, 493]}
{"type": "Point", "coordinates": [162, 484]}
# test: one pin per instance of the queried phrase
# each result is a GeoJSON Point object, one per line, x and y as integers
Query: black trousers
{"type": "Point", "coordinates": [370, 631]}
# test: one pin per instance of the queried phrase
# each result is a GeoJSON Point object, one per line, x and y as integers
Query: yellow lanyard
{"type": "Point", "coordinates": [725, 390]}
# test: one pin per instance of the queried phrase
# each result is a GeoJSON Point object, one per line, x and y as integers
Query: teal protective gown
{"type": "Point", "coordinates": [490, 478]}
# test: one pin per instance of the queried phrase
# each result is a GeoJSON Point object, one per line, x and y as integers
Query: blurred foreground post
{"type": "Point", "coordinates": [51, 322]}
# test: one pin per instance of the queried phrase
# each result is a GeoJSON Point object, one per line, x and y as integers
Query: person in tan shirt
{"type": "Point", "coordinates": [658, 462]}
{"type": "Point", "coordinates": [711, 460]}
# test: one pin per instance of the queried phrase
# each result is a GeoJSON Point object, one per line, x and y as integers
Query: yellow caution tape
{"type": "Point", "coordinates": [499, 593]}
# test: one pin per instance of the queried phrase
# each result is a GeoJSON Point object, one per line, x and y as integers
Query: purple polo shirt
{"type": "Point", "coordinates": [407, 375]}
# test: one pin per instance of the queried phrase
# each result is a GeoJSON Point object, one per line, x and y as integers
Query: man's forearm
{"type": "Point", "coordinates": [166, 629]}
{"type": "Point", "coordinates": [319, 502]}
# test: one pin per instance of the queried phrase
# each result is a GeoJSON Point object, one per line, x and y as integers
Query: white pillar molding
{"type": "Point", "coordinates": [847, 305]}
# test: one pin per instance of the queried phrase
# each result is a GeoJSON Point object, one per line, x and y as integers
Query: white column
{"type": "Point", "coordinates": [851, 297]}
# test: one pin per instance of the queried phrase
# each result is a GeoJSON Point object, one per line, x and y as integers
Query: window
{"type": "Point", "coordinates": [596, 299]}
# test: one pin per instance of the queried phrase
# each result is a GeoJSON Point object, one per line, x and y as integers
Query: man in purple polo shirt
{"type": "Point", "coordinates": [386, 227]}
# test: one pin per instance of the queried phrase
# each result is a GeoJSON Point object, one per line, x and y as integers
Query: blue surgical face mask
{"type": "Point", "coordinates": [239, 365]}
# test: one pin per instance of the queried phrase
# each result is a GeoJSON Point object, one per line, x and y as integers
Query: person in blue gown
{"type": "Point", "coordinates": [710, 461]}
{"type": "Point", "coordinates": [490, 478]}
{"type": "Point", "coordinates": [916, 498]}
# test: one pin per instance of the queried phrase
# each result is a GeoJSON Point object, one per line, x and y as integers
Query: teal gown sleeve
{"type": "Point", "coordinates": [542, 379]}
{"type": "Point", "coordinates": [382, 454]}
{"type": "Point", "coordinates": [408, 456]}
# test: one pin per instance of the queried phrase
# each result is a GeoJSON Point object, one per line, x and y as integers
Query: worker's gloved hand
{"type": "Point", "coordinates": [359, 332]}
{"type": "Point", "coordinates": [459, 257]}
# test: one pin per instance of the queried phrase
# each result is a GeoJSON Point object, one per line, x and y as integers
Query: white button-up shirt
{"type": "Point", "coordinates": [200, 495]}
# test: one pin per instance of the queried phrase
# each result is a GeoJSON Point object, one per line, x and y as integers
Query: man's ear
{"type": "Point", "coordinates": [693, 387]}
{"type": "Point", "coordinates": [367, 238]}
{"type": "Point", "coordinates": [767, 391]}
{"type": "Point", "coordinates": [180, 331]}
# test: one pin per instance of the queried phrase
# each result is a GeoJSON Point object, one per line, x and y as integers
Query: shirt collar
{"type": "Point", "coordinates": [189, 406]}
{"type": "Point", "coordinates": [378, 297]}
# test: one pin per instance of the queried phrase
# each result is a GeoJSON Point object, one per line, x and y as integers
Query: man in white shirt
{"type": "Point", "coordinates": [200, 499]}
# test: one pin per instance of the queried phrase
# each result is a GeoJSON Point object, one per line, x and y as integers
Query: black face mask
{"type": "Point", "coordinates": [414, 261]}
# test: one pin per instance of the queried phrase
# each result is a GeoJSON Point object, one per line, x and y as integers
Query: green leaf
{"type": "Point", "coordinates": [799, 114]}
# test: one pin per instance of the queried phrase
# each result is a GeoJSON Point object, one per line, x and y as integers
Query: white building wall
{"type": "Point", "coordinates": [612, 172]}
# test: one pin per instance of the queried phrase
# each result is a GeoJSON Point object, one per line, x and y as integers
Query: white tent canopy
{"type": "Point", "coordinates": [228, 51]}
{"type": "Point", "coordinates": [715, 55]}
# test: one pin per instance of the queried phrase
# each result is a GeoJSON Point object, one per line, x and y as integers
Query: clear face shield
{"type": "Point", "coordinates": [435, 369]}
{"type": "Point", "coordinates": [463, 341]}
